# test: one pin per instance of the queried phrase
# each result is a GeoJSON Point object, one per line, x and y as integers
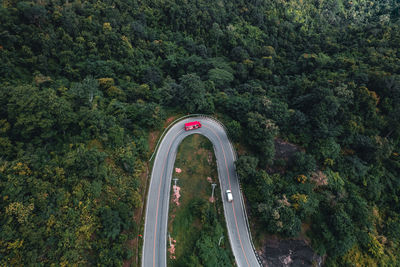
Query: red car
{"type": "Point", "coordinates": [192, 125]}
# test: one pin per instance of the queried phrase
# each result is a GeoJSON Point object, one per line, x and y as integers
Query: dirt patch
{"type": "Point", "coordinates": [169, 120]}
{"type": "Point", "coordinates": [304, 228]}
{"type": "Point", "coordinates": [284, 150]}
{"type": "Point", "coordinates": [153, 137]}
{"type": "Point", "coordinates": [110, 162]}
{"type": "Point", "coordinates": [131, 245]}
{"type": "Point", "coordinates": [240, 149]}
{"type": "Point", "coordinates": [288, 253]}
{"type": "Point", "coordinates": [209, 157]}
{"type": "Point", "coordinates": [95, 144]}
{"type": "Point", "coordinates": [203, 153]}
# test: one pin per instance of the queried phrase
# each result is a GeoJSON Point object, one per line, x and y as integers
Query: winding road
{"type": "Point", "coordinates": [155, 231]}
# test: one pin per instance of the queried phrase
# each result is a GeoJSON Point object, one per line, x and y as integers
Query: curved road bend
{"type": "Point", "coordinates": [155, 230]}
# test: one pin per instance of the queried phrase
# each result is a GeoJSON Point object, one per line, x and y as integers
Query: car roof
{"type": "Point", "coordinates": [192, 123]}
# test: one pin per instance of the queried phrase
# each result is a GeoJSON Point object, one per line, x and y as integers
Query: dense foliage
{"type": "Point", "coordinates": [82, 82]}
{"type": "Point", "coordinates": [210, 249]}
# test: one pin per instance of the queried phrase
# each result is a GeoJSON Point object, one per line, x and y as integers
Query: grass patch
{"type": "Point", "coordinates": [197, 224]}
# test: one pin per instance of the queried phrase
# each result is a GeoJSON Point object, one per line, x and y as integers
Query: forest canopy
{"type": "Point", "coordinates": [82, 83]}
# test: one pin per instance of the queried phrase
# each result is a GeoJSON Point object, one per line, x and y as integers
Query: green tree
{"type": "Point", "coordinates": [192, 94]}
{"type": "Point", "coordinates": [38, 115]}
{"type": "Point", "coordinates": [261, 134]}
{"type": "Point", "coordinates": [220, 77]}
{"type": "Point", "coordinates": [246, 168]}
{"type": "Point", "coordinates": [234, 130]}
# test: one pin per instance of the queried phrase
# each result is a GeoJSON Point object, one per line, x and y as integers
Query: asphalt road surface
{"type": "Point", "coordinates": [155, 230]}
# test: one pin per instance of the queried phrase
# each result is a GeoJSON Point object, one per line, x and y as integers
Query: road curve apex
{"type": "Point", "coordinates": [154, 253]}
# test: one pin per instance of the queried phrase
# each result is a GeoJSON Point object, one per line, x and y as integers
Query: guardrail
{"type": "Point", "coordinates": [235, 158]}
{"type": "Point", "coordinates": [168, 127]}
{"type": "Point", "coordinates": [241, 189]}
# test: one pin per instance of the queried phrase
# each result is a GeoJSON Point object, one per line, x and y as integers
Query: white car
{"type": "Point", "coordinates": [229, 195]}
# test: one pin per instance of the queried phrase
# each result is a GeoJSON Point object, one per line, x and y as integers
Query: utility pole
{"type": "Point", "coordinates": [220, 239]}
{"type": "Point", "coordinates": [175, 180]}
{"type": "Point", "coordinates": [213, 187]}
